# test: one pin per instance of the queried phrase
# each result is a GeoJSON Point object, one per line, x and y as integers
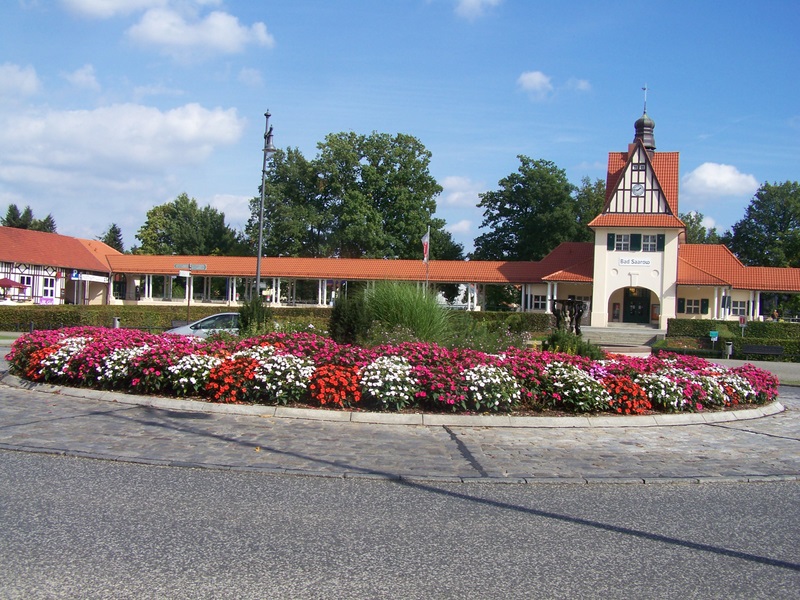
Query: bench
{"type": "Point", "coordinates": [762, 350]}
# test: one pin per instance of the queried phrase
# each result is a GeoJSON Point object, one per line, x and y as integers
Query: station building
{"type": "Point", "coordinates": [638, 270]}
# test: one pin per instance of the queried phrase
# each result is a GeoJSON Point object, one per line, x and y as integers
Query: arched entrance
{"type": "Point", "coordinates": [636, 305]}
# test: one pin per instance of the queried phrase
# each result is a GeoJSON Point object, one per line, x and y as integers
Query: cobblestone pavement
{"type": "Point", "coordinates": [185, 433]}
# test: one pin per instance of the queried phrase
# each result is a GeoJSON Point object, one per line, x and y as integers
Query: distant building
{"type": "Point", "coordinates": [55, 269]}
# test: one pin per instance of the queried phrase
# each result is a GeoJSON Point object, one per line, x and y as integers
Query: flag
{"type": "Point", "coordinates": [426, 244]}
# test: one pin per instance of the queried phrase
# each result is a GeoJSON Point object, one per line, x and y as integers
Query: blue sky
{"type": "Point", "coordinates": [111, 107]}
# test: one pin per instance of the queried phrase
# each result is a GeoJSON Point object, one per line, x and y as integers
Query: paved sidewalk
{"type": "Point", "coordinates": [162, 431]}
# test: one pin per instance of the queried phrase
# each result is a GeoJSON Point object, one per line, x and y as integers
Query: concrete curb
{"type": "Point", "coordinates": [418, 419]}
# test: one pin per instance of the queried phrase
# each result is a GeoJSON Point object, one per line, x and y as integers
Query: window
{"type": "Point", "coordinates": [26, 280]}
{"type": "Point", "coordinates": [649, 243]}
{"type": "Point", "coordinates": [739, 308]}
{"type": "Point", "coordinates": [622, 242]}
{"type": "Point", "coordinates": [49, 287]}
{"type": "Point", "coordinates": [539, 302]}
{"type": "Point", "coordinates": [692, 306]}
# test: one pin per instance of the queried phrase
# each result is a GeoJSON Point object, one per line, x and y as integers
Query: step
{"type": "Point", "coordinates": [622, 336]}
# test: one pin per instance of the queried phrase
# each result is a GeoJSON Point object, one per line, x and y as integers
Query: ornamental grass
{"type": "Point", "coordinates": [312, 370]}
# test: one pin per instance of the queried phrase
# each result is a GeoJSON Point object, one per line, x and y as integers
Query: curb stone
{"type": "Point", "coordinates": [414, 419]}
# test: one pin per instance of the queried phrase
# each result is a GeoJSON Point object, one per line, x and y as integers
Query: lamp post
{"type": "Point", "coordinates": [269, 148]}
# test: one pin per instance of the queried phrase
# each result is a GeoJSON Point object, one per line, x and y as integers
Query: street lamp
{"type": "Point", "coordinates": [269, 148]}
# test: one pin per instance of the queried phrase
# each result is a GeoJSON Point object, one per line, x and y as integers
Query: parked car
{"type": "Point", "coordinates": [222, 322]}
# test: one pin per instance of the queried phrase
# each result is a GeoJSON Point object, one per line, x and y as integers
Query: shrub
{"type": "Point", "coordinates": [393, 304]}
{"type": "Point", "coordinates": [350, 319]}
{"type": "Point", "coordinates": [564, 341]}
{"type": "Point", "coordinates": [255, 317]}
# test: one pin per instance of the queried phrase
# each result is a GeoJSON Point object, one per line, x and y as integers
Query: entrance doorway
{"type": "Point", "coordinates": [636, 305]}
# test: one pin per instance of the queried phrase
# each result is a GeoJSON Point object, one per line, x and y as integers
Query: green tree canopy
{"type": "Point", "coordinates": [182, 227]}
{"type": "Point", "coordinates": [696, 232]}
{"type": "Point", "coordinates": [362, 196]}
{"type": "Point", "coordinates": [533, 211]}
{"type": "Point", "coordinates": [769, 233]}
{"type": "Point", "coordinates": [113, 237]}
{"type": "Point", "coordinates": [590, 200]}
{"type": "Point", "coordinates": [25, 220]}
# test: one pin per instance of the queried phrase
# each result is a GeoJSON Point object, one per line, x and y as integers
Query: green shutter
{"type": "Point", "coordinates": [704, 306]}
{"type": "Point", "coordinates": [611, 242]}
{"type": "Point", "coordinates": [636, 242]}
{"type": "Point", "coordinates": [681, 305]}
{"type": "Point", "coordinates": [660, 242]}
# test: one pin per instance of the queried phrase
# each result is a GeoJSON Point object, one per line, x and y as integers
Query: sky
{"type": "Point", "coordinates": [111, 107]}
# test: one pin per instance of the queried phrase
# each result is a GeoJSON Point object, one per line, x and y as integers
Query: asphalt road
{"type": "Point", "coordinates": [82, 528]}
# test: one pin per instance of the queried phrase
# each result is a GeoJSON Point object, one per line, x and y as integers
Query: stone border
{"type": "Point", "coordinates": [423, 419]}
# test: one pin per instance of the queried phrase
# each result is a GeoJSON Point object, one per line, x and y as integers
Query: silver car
{"type": "Point", "coordinates": [222, 322]}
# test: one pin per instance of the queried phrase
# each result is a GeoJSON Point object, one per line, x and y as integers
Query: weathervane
{"type": "Point", "coordinates": [644, 89]}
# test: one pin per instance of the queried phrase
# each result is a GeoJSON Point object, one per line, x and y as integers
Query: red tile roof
{"type": "Point", "coordinates": [570, 260]}
{"type": "Point", "coordinates": [661, 221]}
{"type": "Point", "coordinates": [367, 269]}
{"type": "Point", "coordinates": [665, 167]}
{"type": "Point", "coordinates": [51, 249]}
{"type": "Point", "coordinates": [707, 264]}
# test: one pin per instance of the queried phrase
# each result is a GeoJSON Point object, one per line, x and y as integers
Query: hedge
{"type": "Point", "coordinates": [699, 328]}
{"type": "Point", "coordinates": [159, 318]}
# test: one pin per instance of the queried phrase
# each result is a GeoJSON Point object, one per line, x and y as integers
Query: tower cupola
{"type": "Point", "coordinates": [644, 131]}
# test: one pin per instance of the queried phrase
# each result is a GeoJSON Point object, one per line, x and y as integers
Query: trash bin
{"type": "Point", "coordinates": [728, 349]}
{"type": "Point", "coordinates": [116, 323]}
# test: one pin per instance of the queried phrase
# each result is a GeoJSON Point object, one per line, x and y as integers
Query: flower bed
{"type": "Point", "coordinates": [305, 368]}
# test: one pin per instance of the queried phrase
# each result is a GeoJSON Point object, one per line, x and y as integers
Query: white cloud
{"type": "Point", "coordinates": [460, 228]}
{"type": "Point", "coordinates": [114, 143]}
{"type": "Point", "coordinates": [536, 83]}
{"type": "Point", "coordinates": [83, 78]}
{"type": "Point", "coordinates": [186, 38]}
{"type": "Point", "coordinates": [104, 9]}
{"type": "Point", "coordinates": [236, 209]}
{"type": "Point", "coordinates": [18, 81]}
{"type": "Point", "coordinates": [717, 180]}
{"type": "Point", "coordinates": [579, 85]}
{"type": "Point", "coordinates": [251, 77]}
{"type": "Point", "coordinates": [461, 191]}
{"type": "Point", "coordinates": [472, 9]}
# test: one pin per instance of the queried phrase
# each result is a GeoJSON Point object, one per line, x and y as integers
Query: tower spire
{"type": "Point", "coordinates": [644, 89]}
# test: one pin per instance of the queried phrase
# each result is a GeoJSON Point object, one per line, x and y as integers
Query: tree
{"type": "Point", "coordinates": [295, 220]}
{"type": "Point", "coordinates": [769, 233]}
{"type": "Point", "coordinates": [533, 211]}
{"type": "Point", "coordinates": [25, 220]}
{"type": "Point", "coordinates": [182, 227]}
{"type": "Point", "coordinates": [113, 237]}
{"type": "Point", "coordinates": [696, 232]}
{"type": "Point", "coordinates": [590, 199]}
{"type": "Point", "coordinates": [362, 196]}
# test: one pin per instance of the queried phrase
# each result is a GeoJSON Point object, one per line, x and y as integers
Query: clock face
{"type": "Point", "coordinates": [637, 189]}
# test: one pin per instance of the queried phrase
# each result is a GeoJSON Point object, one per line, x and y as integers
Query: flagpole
{"type": "Point", "coordinates": [427, 256]}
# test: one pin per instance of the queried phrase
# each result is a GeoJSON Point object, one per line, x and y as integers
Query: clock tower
{"type": "Point", "coordinates": [636, 235]}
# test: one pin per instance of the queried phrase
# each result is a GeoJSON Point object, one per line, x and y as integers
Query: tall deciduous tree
{"type": "Point", "coordinates": [533, 211]}
{"type": "Point", "coordinates": [769, 233]}
{"type": "Point", "coordinates": [362, 196]}
{"type": "Point", "coordinates": [113, 237]}
{"type": "Point", "coordinates": [590, 199]}
{"type": "Point", "coordinates": [182, 227]}
{"type": "Point", "coordinates": [696, 231]}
